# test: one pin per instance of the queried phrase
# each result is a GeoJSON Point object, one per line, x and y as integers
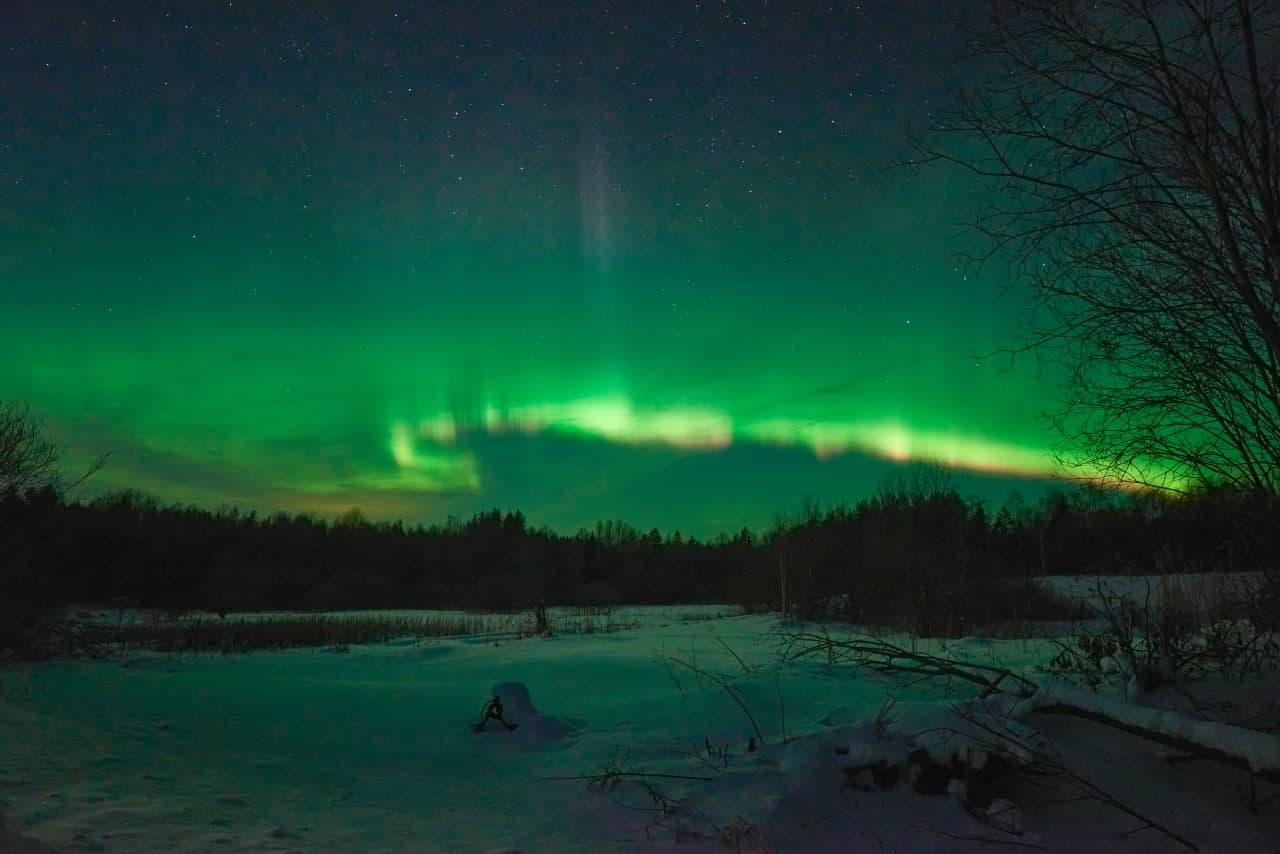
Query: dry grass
{"type": "Point", "coordinates": [90, 634]}
{"type": "Point", "coordinates": [329, 631]}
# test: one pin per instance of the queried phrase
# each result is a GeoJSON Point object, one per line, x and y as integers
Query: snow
{"type": "Point", "coordinates": [1005, 815]}
{"type": "Point", "coordinates": [518, 710]}
{"type": "Point", "coordinates": [1261, 750]}
{"type": "Point", "coordinates": [376, 751]}
{"type": "Point", "coordinates": [963, 732]}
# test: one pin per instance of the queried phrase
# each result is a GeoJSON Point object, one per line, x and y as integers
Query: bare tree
{"type": "Point", "coordinates": [919, 481]}
{"type": "Point", "coordinates": [29, 460]}
{"type": "Point", "coordinates": [1131, 149]}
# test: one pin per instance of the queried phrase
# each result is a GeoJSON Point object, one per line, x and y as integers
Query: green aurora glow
{"type": "Point", "coordinates": [349, 399]}
{"type": "Point", "coordinates": [588, 328]}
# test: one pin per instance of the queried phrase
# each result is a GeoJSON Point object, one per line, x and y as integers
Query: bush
{"type": "Point", "coordinates": [983, 607]}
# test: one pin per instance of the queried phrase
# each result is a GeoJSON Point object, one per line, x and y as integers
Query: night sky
{"type": "Point", "coordinates": [592, 260]}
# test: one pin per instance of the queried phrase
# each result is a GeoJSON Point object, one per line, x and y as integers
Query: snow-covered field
{"type": "Point", "coordinates": [374, 750]}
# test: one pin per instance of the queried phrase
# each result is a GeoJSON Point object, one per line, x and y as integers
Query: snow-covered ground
{"type": "Point", "coordinates": [374, 750]}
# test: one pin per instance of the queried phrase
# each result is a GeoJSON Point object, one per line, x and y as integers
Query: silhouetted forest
{"type": "Point", "coordinates": [917, 549]}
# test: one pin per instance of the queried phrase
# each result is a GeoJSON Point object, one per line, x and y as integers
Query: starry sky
{"type": "Point", "coordinates": [647, 261]}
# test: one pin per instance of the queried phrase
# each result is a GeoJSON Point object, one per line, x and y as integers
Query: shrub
{"type": "Point", "coordinates": [979, 607]}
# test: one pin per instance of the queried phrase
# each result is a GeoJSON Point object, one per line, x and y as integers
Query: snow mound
{"type": "Point", "coordinates": [862, 746]}
{"type": "Point", "coordinates": [969, 734]}
{"type": "Point", "coordinates": [530, 724]}
{"type": "Point", "coordinates": [517, 705]}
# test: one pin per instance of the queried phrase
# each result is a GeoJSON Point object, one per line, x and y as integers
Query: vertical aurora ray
{"type": "Point", "coordinates": [597, 192]}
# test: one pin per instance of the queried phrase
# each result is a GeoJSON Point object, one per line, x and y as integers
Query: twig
{"type": "Point", "coordinates": [724, 683]}
{"type": "Point", "coordinates": [745, 668]}
{"type": "Point", "coordinates": [782, 706]}
{"type": "Point", "coordinates": [1113, 802]}
{"type": "Point", "coordinates": [628, 774]}
{"type": "Point", "coordinates": [679, 685]}
{"type": "Point", "coordinates": [989, 840]}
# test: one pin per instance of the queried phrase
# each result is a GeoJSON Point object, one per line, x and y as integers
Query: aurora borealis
{"type": "Point", "coordinates": [640, 261]}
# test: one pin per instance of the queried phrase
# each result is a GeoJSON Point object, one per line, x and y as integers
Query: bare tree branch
{"type": "Point", "coordinates": [28, 459]}
{"type": "Point", "coordinates": [1131, 148]}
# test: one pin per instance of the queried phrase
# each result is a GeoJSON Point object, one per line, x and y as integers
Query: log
{"type": "Point", "coordinates": [1255, 752]}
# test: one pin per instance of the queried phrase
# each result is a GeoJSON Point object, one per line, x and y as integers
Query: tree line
{"type": "Point", "coordinates": [912, 549]}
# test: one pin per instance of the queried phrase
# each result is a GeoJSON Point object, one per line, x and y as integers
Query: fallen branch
{"type": "Point", "coordinates": [989, 840]}
{"type": "Point", "coordinates": [1252, 750]}
{"type": "Point", "coordinates": [884, 657]}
